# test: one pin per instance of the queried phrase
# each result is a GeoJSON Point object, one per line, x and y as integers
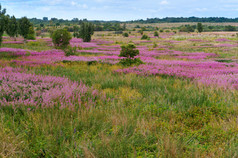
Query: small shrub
{"type": "Point", "coordinates": [156, 34]}
{"type": "Point", "coordinates": [125, 34]}
{"type": "Point", "coordinates": [155, 45]}
{"type": "Point", "coordinates": [129, 51]}
{"type": "Point", "coordinates": [61, 38]}
{"type": "Point", "coordinates": [161, 30]}
{"type": "Point", "coordinates": [145, 37]}
{"type": "Point", "coordinates": [129, 62]}
{"type": "Point", "coordinates": [70, 51]}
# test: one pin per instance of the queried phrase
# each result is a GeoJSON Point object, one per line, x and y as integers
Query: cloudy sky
{"type": "Point", "coordinates": [120, 9]}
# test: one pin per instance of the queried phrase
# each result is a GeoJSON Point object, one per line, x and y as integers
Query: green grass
{"type": "Point", "coordinates": [152, 116]}
{"type": "Point", "coordinates": [149, 117]}
{"type": "Point", "coordinates": [36, 46]}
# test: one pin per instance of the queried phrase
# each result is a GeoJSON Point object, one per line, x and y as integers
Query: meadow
{"type": "Point", "coordinates": [181, 102]}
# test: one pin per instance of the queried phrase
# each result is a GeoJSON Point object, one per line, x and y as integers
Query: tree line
{"type": "Point", "coordinates": [14, 27]}
{"type": "Point", "coordinates": [185, 19]}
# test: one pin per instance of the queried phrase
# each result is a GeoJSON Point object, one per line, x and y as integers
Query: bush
{"type": "Point", "coordinates": [156, 34]}
{"type": "Point", "coordinates": [125, 34]}
{"type": "Point", "coordinates": [145, 37]}
{"type": "Point", "coordinates": [129, 61]}
{"type": "Point", "coordinates": [230, 28]}
{"type": "Point", "coordinates": [61, 38]}
{"type": "Point", "coordinates": [70, 51]}
{"type": "Point", "coordinates": [129, 51]}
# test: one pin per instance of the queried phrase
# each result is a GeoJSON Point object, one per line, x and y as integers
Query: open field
{"type": "Point", "coordinates": [182, 102]}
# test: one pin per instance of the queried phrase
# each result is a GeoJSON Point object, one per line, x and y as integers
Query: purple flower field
{"type": "Point", "coordinates": [198, 66]}
{"type": "Point", "coordinates": [20, 88]}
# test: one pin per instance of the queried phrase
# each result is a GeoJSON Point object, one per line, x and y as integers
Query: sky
{"type": "Point", "coordinates": [120, 9]}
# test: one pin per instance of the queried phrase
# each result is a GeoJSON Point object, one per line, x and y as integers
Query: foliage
{"type": "Point", "coordinates": [187, 28]}
{"type": "Point", "coordinates": [199, 27]}
{"type": "Point", "coordinates": [145, 37]}
{"type": "Point", "coordinates": [130, 62]}
{"type": "Point", "coordinates": [2, 22]}
{"type": "Point", "coordinates": [76, 31]}
{"type": "Point", "coordinates": [24, 27]}
{"type": "Point", "coordinates": [129, 51]}
{"type": "Point", "coordinates": [86, 31]}
{"type": "Point", "coordinates": [12, 27]}
{"type": "Point", "coordinates": [61, 38]}
{"type": "Point", "coordinates": [70, 50]}
{"type": "Point", "coordinates": [31, 34]}
{"type": "Point", "coordinates": [125, 34]}
{"type": "Point", "coordinates": [230, 28]}
{"type": "Point", "coordinates": [156, 34]}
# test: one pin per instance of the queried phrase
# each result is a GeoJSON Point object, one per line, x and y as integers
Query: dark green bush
{"type": "Point", "coordinates": [145, 37]}
{"type": "Point", "coordinates": [61, 38]}
{"type": "Point", "coordinates": [156, 34]}
{"type": "Point", "coordinates": [125, 34]}
{"type": "Point", "coordinates": [129, 61]}
{"type": "Point", "coordinates": [129, 51]}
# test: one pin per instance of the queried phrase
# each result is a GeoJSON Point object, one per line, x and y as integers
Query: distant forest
{"type": "Point", "coordinates": [189, 19]}
{"type": "Point", "coordinates": [45, 20]}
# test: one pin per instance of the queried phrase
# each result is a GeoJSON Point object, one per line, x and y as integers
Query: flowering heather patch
{"type": "Point", "coordinates": [227, 45]}
{"type": "Point", "coordinates": [15, 51]}
{"type": "Point", "coordinates": [18, 88]}
{"type": "Point", "coordinates": [186, 69]}
{"type": "Point", "coordinates": [96, 51]}
{"type": "Point", "coordinates": [13, 42]}
{"type": "Point", "coordinates": [197, 40]}
{"type": "Point", "coordinates": [79, 58]}
{"type": "Point", "coordinates": [222, 40]}
{"type": "Point", "coordinates": [229, 81]}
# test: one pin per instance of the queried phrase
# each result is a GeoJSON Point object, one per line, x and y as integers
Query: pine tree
{"type": "Point", "coordinates": [2, 22]}
{"type": "Point", "coordinates": [12, 27]}
{"type": "Point", "coordinates": [86, 31]}
{"type": "Point", "coordinates": [24, 27]}
{"type": "Point", "coordinates": [199, 27]}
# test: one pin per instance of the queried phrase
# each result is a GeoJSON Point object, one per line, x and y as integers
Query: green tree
{"type": "Point", "coordinates": [2, 22]}
{"type": "Point", "coordinates": [129, 51]}
{"type": "Point", "coordinates": [156, 34]}
{"type": "Point", "coordinates": [86, 31]}
{"type": "Point", "coordinates": [199, 27]}
{"type": "Point", "coordinates": [61, 38]}
{"type": "Point", "coordinates": [31, 34]}
{"type": "Point", "coordinates": [24, 27]}
{"type": "Point", "coordinates": [76, 30]}
{"type": "Point", "coordinates": [12, 27]}
{"type": "Point", "coordinates": [125, 34]}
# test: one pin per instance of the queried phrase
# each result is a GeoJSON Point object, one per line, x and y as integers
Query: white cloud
{"type": "Point", "coordinates": [165, 2]}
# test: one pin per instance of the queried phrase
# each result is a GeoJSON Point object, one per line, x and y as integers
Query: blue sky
{"type": "Point", "coordinates": [120, 9]}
